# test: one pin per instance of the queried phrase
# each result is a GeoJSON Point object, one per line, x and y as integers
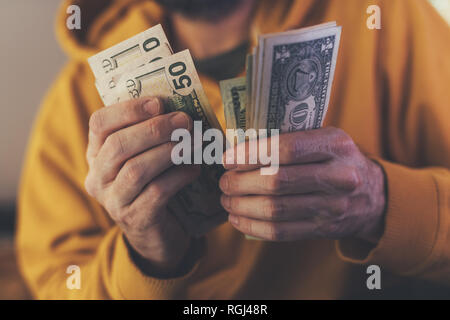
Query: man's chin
{"type": "Point", "coordinates": [201, 9]}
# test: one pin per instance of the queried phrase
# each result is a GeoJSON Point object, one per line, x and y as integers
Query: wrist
{"type": "Point", "coordinates": [376, 214]}
{"type": "Point", "coordinates": [172, 267]}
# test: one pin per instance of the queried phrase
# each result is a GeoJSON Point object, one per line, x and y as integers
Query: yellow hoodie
{"type": "Point", "coordinates": [391, 94]}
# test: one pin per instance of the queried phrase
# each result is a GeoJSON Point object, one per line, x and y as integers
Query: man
{"type": "Point", "coordinates": [379, 184]}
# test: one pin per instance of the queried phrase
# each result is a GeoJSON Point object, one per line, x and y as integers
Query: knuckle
{"type": "Point", "coordinates": [134, 110]}
{"type": "Point", "coordinates": [119, 216]}
{"type": "Point", "coordinates": [351, 180]}
{"type": "Point", "coordinates": [96, 122]}
{"type": "Point", "coordinates": [336, 132]}
{"type": "Point", "coordinates": [129, 106]}
{"type": "Point", "coordinates": [124, 218]}
{"type": "Point", "coordinates": [271, 184]}
{"type": "Point", "coordinates": [234, 204]}
{"type": "Point", "coordinates": [115, 144]}
{"type": "Point", "coordinates": [273, 209]}
{"type": "Point", "coordinates": [133, 171]}
{"type": "Point", "coordinates": [354, 179]}
{"type": "Point", "coordinates": [340, 206]}
{"type": "Point", "coordinates": [228, 182]}
{"type": "Point", "coordinates": [343, 144]}
{"type": "Point", "coordinates": [233, 182]}
{"type": "Point", "coordinates": [90, 185]}
{"type": "Point", "coordinates": [278, 182]}
{"type": "Point", "coordinates": [113, 206]}
{"type": "Point", "coordinates": [288, 150]}
{"type": "Point", "coordinates": [156, 128]}
{"type": "Point", "coordinates": [335, 224]}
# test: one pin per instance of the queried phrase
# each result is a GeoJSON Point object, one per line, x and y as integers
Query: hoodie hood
{"type": "Point", "coordinates": [105, 23]}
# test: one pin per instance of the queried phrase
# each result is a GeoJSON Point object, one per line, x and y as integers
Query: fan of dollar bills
{"type": "Point", "coordinates": [288, 81]}
{"type": "Point", "coordinates": [287, 87]}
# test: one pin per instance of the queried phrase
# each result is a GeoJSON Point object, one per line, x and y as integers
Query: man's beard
{"type": "Point", "coordinates": [201, 9]}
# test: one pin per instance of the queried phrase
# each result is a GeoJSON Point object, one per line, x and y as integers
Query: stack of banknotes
{"type": "Point", "coordinates": [145, 65]}
{"type": "Point", "coordinates": [287, 87]}
{"type": "Point", "coordinates": [288, 81]}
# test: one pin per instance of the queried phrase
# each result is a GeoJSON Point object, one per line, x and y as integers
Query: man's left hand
{"type": "Point", "coordinates": [324, 188]}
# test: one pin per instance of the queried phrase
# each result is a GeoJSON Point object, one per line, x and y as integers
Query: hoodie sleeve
{"type": "Point", "coordinates": [59, 225]}
{"type": "Point", "coordinates": [414, 78]}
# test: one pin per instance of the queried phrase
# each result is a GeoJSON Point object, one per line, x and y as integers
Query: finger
{"type": "Point", "coordinates": [300, 147]}
{"type": "Point", "coordinates": [127, 143]}
{"type": "Point", "coordinates": [139, 171]}
{"type": "Point", "coordinates": [107, 120]}
{"type": "Point", "coordinates": [299, 179]}
{"type": "Point", "coordinates": [274, 231]}
{"type": "Point", "coordinates": [156, 194]}
{"type": "Point", "coordinates": [284, 208]}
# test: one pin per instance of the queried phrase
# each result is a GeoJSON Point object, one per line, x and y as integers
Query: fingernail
{"type": "Point", "coordinates": [226, 202]}
{"type": "Point", "coordinates": [180, 120]}
{"type": "Point", "coordinates": [152, 106]}
{"type": "Point", "coordinates": [224, 183]}
{"type": "Point", "coordinates": [233, 219]}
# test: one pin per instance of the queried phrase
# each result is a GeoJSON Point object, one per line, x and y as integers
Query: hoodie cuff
{"type": "Point", "coordinates": [133, 284]}
{"type": "Point", "coordinates": [411, 223]}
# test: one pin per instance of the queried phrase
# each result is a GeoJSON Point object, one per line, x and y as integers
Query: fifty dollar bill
{"type": "Point", "coordinates": [175, 79]}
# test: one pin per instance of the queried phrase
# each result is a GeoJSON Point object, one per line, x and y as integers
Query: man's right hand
{"type": "Point", "coordinates": [131, 174]}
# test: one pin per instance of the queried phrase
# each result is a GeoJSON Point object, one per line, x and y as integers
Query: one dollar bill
{"type": "Point", "coordinates": [297, 76]}
{"type": "Point", "coordinates": [234, 99]}
{"type": "Point", "coordinates": [290, 83]}
{"type": "Point", "coordinates": [152, 42]}
{"type": "Point", "coordinates": [108, 65]}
